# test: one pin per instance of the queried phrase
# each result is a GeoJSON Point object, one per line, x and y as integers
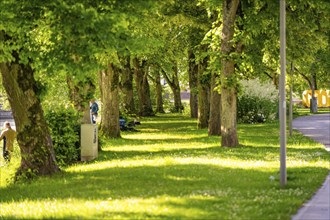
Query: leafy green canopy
{"type": "Point", "coordinates": [257, 28]}
{"type": "Point", "coordinates": [64, 33]}
{"type": "Point", "coordinates": [75, 38]}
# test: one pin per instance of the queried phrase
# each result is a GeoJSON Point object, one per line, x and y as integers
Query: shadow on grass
{"type": "Point", "coordinates": [145, 182]}
{"type": "Point", "coordinates": [214, 191]}
{"type": "Point", "coordinates": [152, 141]}
{"type": "Point", "coordinates": [243, 153]}
{"type": "Point", "coordinates": [205, 188]}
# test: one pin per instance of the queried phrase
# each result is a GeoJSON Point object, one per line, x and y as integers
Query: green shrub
{"type": "Point", "coordinates": [257, 102]}
{"type": "Point", "coordinates": [64, 128]}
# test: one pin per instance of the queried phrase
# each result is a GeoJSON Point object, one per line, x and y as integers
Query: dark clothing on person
{"type": "Point", "coordinates": [94, 111]}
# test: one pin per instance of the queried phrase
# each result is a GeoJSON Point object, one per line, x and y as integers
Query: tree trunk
{"type": "Point", "coordinates": [176, 90]}
{"type": "Point", "coordinates": [313, 101]}
{"type": "Point", "coordinates": [175, 87]}
{"type": "Point", "coordinates": [228, 78]}
{"type": "Point", "coordinates": [312, 85]}
{"type": "Point", "coordinates": [203, 96]}
{"type": "Point", "coordinates": [143, 88]}
{"type": "Point", "coordinates": [215, 107]}
{"type": "Point", "coordinates": [193, 85]}
{"type": "Point", "coordinates": [159, 94]}
{"type": "Point", "coordinates": [127, 87]}
{"type": "Point", "coordinates": [110, 98]}
{"type": "Point", "coordinates": [37, 151]}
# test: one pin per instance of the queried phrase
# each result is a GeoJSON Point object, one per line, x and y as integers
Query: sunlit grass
{"type": "Point", "coordinates": [172, 170]}
{"type": "Point", "coordinates": [306, 111]}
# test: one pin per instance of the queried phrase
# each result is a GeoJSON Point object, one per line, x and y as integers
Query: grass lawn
{"type": "Point", "coordinates": [171, 170]}
{"type": "Point", "coordinates": [306, 111]}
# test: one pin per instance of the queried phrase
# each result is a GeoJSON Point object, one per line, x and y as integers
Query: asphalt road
{"type": "Point", "coordinates": [317, 127]}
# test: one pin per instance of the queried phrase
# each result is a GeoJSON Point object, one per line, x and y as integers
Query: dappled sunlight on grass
{"type": "Point", "coordinates": [8, 169]}
{"type": "Point", "coordinates": [163, 206]}
{"type": "Point", "coordinates": [162, 136]}
{"type": "Point", "coordinates": [167, 161]}
{"type": "Point", "coordinates": [170, 169]}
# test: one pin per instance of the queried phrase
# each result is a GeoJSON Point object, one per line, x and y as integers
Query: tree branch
{"type": "Point", "coordinates": [305, 77]}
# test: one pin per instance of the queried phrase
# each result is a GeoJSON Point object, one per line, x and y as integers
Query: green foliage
{"type": "Point", "coordinates": [258, 102]}
{"type": "Point", "coordinates": [3, 97]}
{"type": "Point", "coordinates": [64, 128]}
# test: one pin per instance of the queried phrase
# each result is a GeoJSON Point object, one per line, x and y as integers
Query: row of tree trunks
{"type": "Point", "coordinates": [205, 100]}
{"type": "Point", "coordinates": [109, 89]}
{"type": "Point", "coordinates": [143, 88]}
{"type": "Point", "coordinates": [38, 157]}
{"type": "Point", "coordinates": [174, 84]}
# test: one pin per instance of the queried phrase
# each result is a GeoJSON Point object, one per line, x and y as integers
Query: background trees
{"type": "Point", "coordinates": [119, 51]}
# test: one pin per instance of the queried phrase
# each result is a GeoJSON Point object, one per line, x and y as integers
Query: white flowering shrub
{"type": "Point", "coordinates": [257, 102]}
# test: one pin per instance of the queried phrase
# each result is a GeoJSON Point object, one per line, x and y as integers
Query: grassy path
{"type": "Point", "coordinates": [172, 170]}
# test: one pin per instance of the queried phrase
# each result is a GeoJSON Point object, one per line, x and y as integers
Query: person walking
{"type": "Point", "coordinates": [8, 136]}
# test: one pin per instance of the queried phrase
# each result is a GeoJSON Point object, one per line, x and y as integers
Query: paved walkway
{"type": "Point", "coordinates": [317, 127]}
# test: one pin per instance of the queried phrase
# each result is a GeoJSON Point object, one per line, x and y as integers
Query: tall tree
{"type": "Point", "coordinates": [126, 86]}
{"type": "Point", "coordinates": [214, 125]}
{"type": "Point", "coordinates": [17, 56]}
{"type": "Point", "coordinates": [203, 95]}
{"type": "Point", "coordinates": [214, 39]}
{"type": "Point", "coordinates": [175, 87]}
{"type": "Point", "coordinates": [109, 83]}
{"type": "Point", "coordinates": [308, 41]}
{"type": "Point", "coordinates": [193, 84]}
{"type": "Point", "coordinates": [190, 23]}
{"type": "Point", "coordinates": [143, 88]}
{"type": "Point", "coordinates": [159, 92]}
{"type": "Point", "coordinates": [33, 135]}
{"type": "Point", "coordinates": [228, 77]}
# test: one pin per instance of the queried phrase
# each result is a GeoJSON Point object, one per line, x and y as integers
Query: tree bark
{"type": "Point", "coordinates": [175, 87]}
{"type": "Point", "coordinates": [176, 90]}
{"type": "Point", "coordinates": [110, 98]}
{"type": "Point", "coordinates": [126, 86]}
{"type": "Point", "coordinates": [273, 76]}
{"type": "Point", "coordinates": [313, 101]}
{"type": "Point", "coordinates": [193, 85]}
{"type": "Point", "coordinates": [313, 86]}
{"type": "Point", "coordinates": [228, 77]}
{"type": "Point", "coordinates": [215, 107]}
{"type": "Point", "coordinates": [34, 140]}
{"type": "Point", "coordinates": [143, 88]}
{"type": "Point", "coordinates": [203, 96]}
{"type": "Point", "coordinates": [159, 94]}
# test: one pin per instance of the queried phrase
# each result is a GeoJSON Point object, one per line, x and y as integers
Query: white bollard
{"type": "Point", "coordinates": [88, 142]}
